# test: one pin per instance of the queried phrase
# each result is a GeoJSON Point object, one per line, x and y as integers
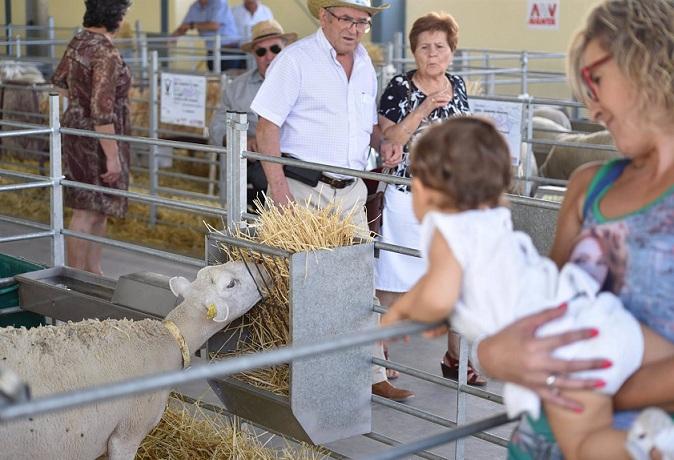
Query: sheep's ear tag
{"type": "Point", "coordinates": [212, 311]}
{"type": "Point", "coordinates": [179, 286]}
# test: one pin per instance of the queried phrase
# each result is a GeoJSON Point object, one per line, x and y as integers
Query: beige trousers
{"type": "Point", "coordinates": [350, 198]}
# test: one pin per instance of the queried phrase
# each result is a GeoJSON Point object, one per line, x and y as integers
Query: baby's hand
{"type": "Point", "coordinates": [391, 317]}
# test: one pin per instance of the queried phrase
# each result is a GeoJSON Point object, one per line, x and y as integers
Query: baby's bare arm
{"type": "Point", "coordinates": [432, 298]}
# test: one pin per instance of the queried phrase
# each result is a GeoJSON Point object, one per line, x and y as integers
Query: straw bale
{"type": "Point", "coordinates": [295, 228]}
{"type": "Point", "coordinates": [188, 431]}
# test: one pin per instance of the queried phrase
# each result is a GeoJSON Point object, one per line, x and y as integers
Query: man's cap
{"type": "Point", "coordinates": [264, 30]}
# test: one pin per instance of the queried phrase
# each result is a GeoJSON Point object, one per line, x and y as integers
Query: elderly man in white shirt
{"type": "Point", "coordinates": [249, 13]}
{"type": "Point", "coordinates": [317, 104]}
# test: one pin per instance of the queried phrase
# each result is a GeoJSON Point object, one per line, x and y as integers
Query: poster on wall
{"type": "Point", "coordinates": [507, 117]}
{"type": "Point", "coordinates": [183, 100]}
{"type": "Point", "coordinates": [543, 14]}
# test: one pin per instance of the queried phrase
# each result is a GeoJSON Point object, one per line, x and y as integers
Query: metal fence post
{"type": "Point", "coordinates": [398, 51]}
{"type": "Point", "coordinates": [18, 46]}
{"type": "Point", "coordinates": [524, 62]}
{"type": "Point", "coordinates": [217, 54]}
{"type": "Point", "coordinates": [459, 446]}
{"type": "Point", "coordinates": [143, 61]}
{"type": "Point", "coordinates": [8, 35]}
{"type": "Point", "coordinates": [236, 169]}
{"type": "Point", "coordinates": [153, 131]}
{"type": "Point", "coordinates": [528, 166]}
{"type": "Point", "coordinates": [56, 218]}
{"type": "Point", "coordinates": [51, 35]}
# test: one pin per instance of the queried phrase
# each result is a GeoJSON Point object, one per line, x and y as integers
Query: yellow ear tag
{"type": "Point", "coordinates": [212, 311]}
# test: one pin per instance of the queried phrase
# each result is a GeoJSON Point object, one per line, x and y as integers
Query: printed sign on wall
{"type": "Point", "coordinates": [543, 14]}
{"type": "Point", "coordinates": [507, 117]}
{"type": "Point", "coordinates": [183, 100]}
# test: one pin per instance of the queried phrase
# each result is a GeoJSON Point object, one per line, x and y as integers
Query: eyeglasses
{"type": "Point", "coordinates": [261, 52]}
{"type": "Point", "coordinates": [589, 84]}
{"type": "Point", "coordinates": [348, 22]}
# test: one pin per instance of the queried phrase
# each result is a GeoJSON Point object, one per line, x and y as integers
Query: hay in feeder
{"type": "Point", "coordinates": [188, 431]}
{"type": "Point", "coordinates": [293, 228]}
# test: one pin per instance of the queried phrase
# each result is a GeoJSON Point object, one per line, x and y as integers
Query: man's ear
{"type": "Point", "coordinates": [180, 286]}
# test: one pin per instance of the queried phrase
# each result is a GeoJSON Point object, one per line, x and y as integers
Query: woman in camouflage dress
{"type": "Point", "coordinates": [96, 81]}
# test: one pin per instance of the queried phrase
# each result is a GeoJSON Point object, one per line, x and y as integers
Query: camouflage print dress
{"type": "Point", "coordinates": [98, 82]}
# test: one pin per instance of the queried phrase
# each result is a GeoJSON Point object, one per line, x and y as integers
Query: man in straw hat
{"type": "Point", "coordinates": [268, 39]}
{"type": "Point", "coordinates": [317, 104]}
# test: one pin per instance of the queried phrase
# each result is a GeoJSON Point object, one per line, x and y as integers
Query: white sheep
{"type": "Point", "coordinates": [76, 355]}
{"type": "Point", "coordinates": [564, 160]}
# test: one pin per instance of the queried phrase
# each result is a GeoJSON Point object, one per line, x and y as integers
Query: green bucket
{"type": "Point", "coordinates": [9, 292]}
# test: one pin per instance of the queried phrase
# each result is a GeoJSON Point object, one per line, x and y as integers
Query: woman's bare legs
{"type": "Point", "coordinates": [388, 298]}
{"type": "Point", "coordinates": [82, 254]}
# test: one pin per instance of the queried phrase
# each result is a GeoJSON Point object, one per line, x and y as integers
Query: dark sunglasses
{"type": "Point", "coordinates": [586, 77]}
{"type": "Point", "coordinates": [263, 51]}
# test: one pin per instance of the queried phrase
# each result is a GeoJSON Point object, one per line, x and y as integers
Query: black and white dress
{"type": "Point", "coordinates": [396, 272]}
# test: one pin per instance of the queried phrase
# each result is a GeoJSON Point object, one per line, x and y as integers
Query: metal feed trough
{"type": "Point", "coordinates": [67, 294]}
{"type": "Point", "coordinates": [330, 293]}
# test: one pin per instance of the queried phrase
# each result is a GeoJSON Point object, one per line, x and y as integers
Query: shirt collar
{"type": "Point", "coordinates": [325, 45]}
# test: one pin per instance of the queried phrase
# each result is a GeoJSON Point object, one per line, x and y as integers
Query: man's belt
{"type": "Point", "coordinates": [336, 183]}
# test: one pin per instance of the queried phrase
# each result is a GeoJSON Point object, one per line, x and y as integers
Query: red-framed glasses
{"type": "Point", "coordinates": [586, 77]}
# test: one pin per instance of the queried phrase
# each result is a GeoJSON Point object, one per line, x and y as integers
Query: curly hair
{"type": "Point", "coordinates": [433, 22]}
{"type": "Point", "coordinates": [105, 13]}
{"type": "Point", "coordinates": [639, 34]}
{"type": "Point", "coordinates": [466, 159]}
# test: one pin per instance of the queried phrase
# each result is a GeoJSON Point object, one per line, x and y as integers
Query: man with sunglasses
{"type": "Point", "coordinates": [317, 104]}
{"type": "Point", "coordinates": [268, 39]}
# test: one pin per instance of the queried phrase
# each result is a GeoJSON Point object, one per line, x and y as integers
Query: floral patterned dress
{"type": "Point", "coordinates": [98, 83]}
{"type": "Point", "coordinates": [401, 97]}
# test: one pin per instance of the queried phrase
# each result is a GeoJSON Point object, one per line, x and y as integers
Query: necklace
{"type": "Point", "coordinates": [415, 80]}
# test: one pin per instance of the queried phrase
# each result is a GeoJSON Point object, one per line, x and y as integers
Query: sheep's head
{"type": "Point", "coordinates": [225, 292]}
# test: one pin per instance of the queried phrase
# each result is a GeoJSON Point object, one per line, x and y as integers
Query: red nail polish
{"type": "Point", "coordinates": [599, 384]}
{"type": "Point", "coordinates": [578, 410]}
{"type": "Point", "coordinates": [593, 332]}
{"type": "Point", "coordinates": [563, 306]}
{"type": "Point", "coordinates": [606, 364]}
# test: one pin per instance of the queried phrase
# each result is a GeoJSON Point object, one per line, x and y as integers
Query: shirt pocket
{"type": "Point", "coordinates": [366, 111]}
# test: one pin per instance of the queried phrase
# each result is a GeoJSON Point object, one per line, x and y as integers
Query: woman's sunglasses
{"type": "Point", "coordinates": [263, 51]}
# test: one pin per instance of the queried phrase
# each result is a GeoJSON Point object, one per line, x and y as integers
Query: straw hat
{"type": "Point", "coordinates": [264, 30]}
{"type": "Point", "coordinates": [363, 5]}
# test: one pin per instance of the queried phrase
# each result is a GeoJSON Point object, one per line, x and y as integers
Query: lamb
{"type": "Point", "coordinates": [75, 355]}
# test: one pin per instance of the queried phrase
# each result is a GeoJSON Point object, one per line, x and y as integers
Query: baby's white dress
{"type": "Point", "coordinates": [504, 278]}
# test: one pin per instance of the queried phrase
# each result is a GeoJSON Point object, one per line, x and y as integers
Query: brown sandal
{"type": "Point", "coordinates": [450, 370]}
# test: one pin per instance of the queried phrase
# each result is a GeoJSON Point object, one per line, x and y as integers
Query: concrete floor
{"type": "Point", "coordinates": [419, 353]}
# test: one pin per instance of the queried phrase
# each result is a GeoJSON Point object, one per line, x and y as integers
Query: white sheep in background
{"type": "Point", "coordinates": [76, 355]}
{"type": "Point", "coordinates": [563, 160]}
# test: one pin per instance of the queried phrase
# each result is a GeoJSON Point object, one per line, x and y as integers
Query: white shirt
{"type": "Point", "coordinates": [245, 21]}
{"type": "Point", "coordinates": [324, 117]}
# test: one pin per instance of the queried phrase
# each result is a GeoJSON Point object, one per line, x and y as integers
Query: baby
{"type": "Point", "coordinates": [485, 275]}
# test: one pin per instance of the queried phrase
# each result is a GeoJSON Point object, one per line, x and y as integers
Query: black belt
{"type": "Point", "coordinates": [336, 183]}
